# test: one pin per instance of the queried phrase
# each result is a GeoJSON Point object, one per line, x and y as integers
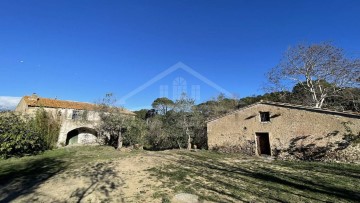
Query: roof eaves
{"type": "Point", "coordinates": [233, 112]}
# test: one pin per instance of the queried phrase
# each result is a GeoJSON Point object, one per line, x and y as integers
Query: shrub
{"type": "Point", "coordinates": [20, 136]}
{"type": "Point", "coordinates": [135, 132]}
{"type": "Point", "coordinates": [164, 134]}
{"type": "Point", "coordinates": [47, 127]}
{"type": "Point", "coordinates": [17, 137]}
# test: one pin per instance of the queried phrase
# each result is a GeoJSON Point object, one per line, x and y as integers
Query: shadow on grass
{"type": "Point", "coordinates": [23, 179]}
{"type": "Point", "coordinates": [19, 177]}
{"type": "Point", "coordinates": [260, 181]}
{"type": "Point", "coordinates": [348, 170]}
{"type": "Point", "coordinates": [103, 181]}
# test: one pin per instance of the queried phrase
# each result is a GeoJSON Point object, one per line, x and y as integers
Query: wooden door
{"type": "Point", "coordinates": [263, 143]}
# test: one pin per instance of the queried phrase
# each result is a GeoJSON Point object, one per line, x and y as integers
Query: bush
{"type": "Point", "coordinates": [20, 136]}
{"type": "Point", "coordinates": [47, 127]}
{"type": "Point", "coordinates": [135, 132]}
{"type": "Point", "coordinates": [163, 135]}
{"type": "Point", "coordinates": [17, 137]}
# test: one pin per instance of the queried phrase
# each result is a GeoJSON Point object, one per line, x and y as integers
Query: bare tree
{"type": "Point", "coordinates": [322, 69]}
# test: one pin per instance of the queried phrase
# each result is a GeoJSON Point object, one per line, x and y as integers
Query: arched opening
{"type": "Point", "coordinates": [81, 135]}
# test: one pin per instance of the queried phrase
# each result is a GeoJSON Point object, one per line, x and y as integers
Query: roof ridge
{"type": "Point", "coordinates": [56, 103]}
{"type": "Point", "coordinates": [350, 113]}
{"type": "Point", "coordinates": [60, 100]}
{"type": "Point", "coordinates": [310, 107]}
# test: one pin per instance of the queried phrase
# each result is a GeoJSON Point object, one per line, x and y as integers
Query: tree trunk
{"type": "Point", "coordinates": [179, 144]}
{"type": "Point", "coordinates": [189, 139]}
{"type": "Point", "coordinates": [120, 141]}
{"type": "Point", "coordinates": [319, 103]}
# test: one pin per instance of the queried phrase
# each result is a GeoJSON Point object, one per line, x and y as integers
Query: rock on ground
{"type": "Point", "coordinates": [185, 198]}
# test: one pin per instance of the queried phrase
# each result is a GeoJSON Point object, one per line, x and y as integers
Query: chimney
{"type": "Point", "coordinates": [35, 96]}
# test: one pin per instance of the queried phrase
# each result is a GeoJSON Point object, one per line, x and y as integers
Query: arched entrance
{"type": "Point", "coordinates": [82, 135]}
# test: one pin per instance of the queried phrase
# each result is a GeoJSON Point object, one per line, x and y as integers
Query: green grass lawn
{"type": "Point", "coordinates": [210, 175]}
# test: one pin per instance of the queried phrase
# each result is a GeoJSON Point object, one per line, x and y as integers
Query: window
{"type": "Point", "coordinates": [76, 115]}
{"type": "Point", "coordinates": [264, 116]}
{"type": "Point", "coordinates": [179, 88]}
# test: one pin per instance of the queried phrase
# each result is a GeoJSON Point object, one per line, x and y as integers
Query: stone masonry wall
{"type": "Point", "coordinates": [289, 129]}
{"type": "Point", "coordinates": [68, 125]}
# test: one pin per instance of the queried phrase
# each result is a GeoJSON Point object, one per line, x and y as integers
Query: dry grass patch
{"type": "Point", "coordinates": [102, 174]}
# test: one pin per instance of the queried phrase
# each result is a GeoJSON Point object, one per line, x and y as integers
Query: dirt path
{"type": "Point", "coordinates": [120, 180]}
{"type": "Point", "coordinates": [106, 175]}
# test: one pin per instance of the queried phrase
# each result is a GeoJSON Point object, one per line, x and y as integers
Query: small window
{"type": "Point", "coordinates": [264, 116]}
{"type": "Point", "coordinates": [75, 115]}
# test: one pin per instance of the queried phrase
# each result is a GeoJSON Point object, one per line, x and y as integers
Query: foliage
{"type": "Point", "coordinates": [20, 136]}
{"type": "Point", "coordinates": [135, 132]}
{"type": "Point", "coordinates": [156, 137]}
{"type": "Point", "coordinates": [218, 106]}
{"type": "Point", "coordinates": [162, 133]}
{"type": "Point", "coordinates": [112, 122]}
{"type": "Point", "coordinates": [162, 105]}
{"type": "Point", "coordinates": [141, 114]}
{"type": "Point", "coordinates": [112, 126]}
{"type": "Point", "coordinates": [282, 96]}
{"type": "Point", "coordinates": [184, 119]}
{"type": "Point", "coordinates": [17, 137]}
{"type": "Point", "coordinates": [181, 127]}
{"type": "Point", "coordinates": [118, 128]}
{"type": "Point", "coordinates": [198, 128]}
{"type": "Point", "coordinates": [47, 127]}
{"type": "Point", "coordinates": [348, 99]}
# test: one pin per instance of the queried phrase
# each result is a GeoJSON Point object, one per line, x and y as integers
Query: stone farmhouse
{"type": "Point", "coordinates": [78, 119]}
{"type": "Point", "coordinates": [270, 128]}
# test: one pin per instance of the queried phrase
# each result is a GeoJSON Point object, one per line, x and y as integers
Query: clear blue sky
{"type": "Point", "coordinates": [80, 50]}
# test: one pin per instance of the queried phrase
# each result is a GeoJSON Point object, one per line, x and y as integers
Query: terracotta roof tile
{"type": "Point", "coordinates": [35, 101]}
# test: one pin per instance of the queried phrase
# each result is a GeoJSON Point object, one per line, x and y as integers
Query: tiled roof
{"type": "Point", "coordinates": [300, 107]}
{"type": "Point", "coordinates": [35, 101]}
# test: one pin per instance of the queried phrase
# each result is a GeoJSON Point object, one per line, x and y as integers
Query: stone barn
{"type": "Point", "coordinates": [279, 129]}
{"type": "Point", "coordinates": [78, 119]}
